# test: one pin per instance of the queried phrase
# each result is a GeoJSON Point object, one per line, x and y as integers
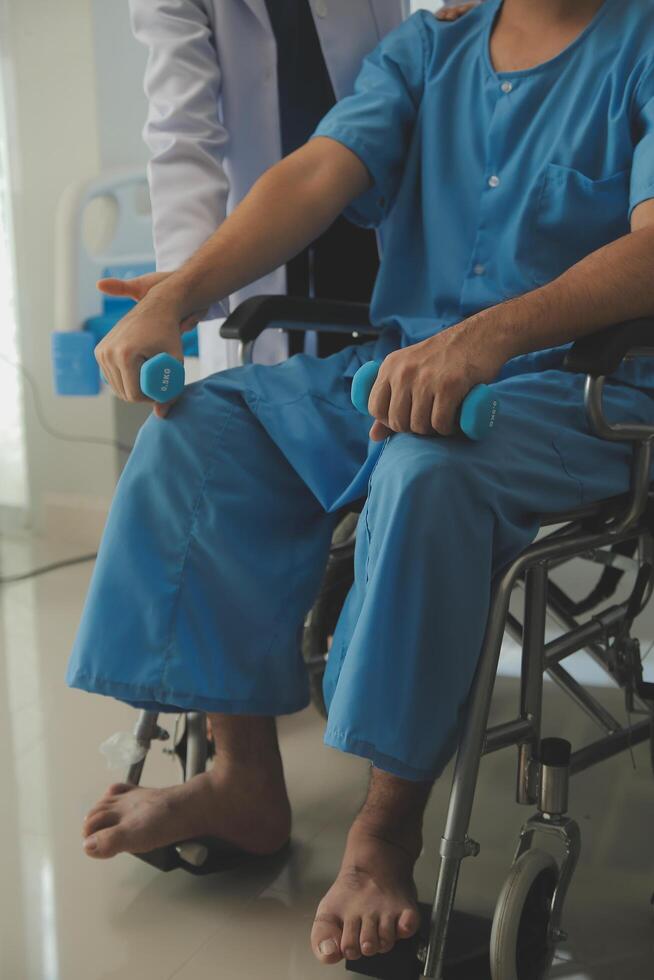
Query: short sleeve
{"type": "Point", "coordinates": [642, 164]}
{"type": "Point", "coordinates": [376, 122]}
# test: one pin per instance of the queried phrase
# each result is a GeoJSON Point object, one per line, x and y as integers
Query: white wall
{"type": "Point", "coordinates": [122, 106]}
{"type": "Point", "coordinates": [76, 107]}
{"type": "Point", "coordinates": [52, 76]}
{"type": "Point", "coordinates": [13, 485]}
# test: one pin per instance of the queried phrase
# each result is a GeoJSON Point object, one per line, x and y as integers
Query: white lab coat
{"type": "Point", "coordinates": [213, 125]}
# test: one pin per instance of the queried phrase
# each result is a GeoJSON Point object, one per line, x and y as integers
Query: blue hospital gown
{"type": "Point", "coordinates": [487, 184]}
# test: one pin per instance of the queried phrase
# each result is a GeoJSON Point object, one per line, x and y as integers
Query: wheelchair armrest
{"type": "Point", "coordinates": [258, 313]}
{"type": "Point", "coordinates": [601, 353]}
{"type": "Point", "coordinates": [598, 355]}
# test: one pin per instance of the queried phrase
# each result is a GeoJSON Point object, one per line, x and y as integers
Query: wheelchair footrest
{"type": "Point", "coordinates": [466, 953]}
{"type": "Point", "coordinates": [207, 855]}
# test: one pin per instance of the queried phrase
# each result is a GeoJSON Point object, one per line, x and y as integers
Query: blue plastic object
{"type": "Point", "coordinates": [120, 305]}
{"type": "Point", "coordinates": [190, 344]}
{"type": "Point", "coordinates": [75, 368]}
{"type": "Point", "coordinates": [362, 383]}
{"type": "Point", "coordinates": [478, 410]}
{"type": "Point", "coordinates": [162, 378]}
{"type": "Point", "coordinates": [99, 326]}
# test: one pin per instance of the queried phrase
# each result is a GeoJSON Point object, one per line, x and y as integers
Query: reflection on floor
{"type": "Point", "coordinates": [65, 917]}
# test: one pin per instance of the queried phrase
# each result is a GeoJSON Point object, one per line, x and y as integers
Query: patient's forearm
{"type": "Point", "coordinates": [613, 284]}
{"type": "Point", "coordinates": [288, 207]}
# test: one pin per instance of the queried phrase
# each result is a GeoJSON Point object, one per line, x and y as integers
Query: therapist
{"type": "Point", "coordinates": [233, 86]}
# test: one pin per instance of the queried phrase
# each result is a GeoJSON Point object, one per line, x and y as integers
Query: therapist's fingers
{"type": "Point", "coordinates": [453, 13]}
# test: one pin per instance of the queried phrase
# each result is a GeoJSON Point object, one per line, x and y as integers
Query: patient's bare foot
{"type": "Point", "coordinates": [373, 902]}
{"type": "Point", "coordinates": [241, 800]}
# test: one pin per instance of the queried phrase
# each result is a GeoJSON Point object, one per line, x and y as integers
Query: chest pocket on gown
{"type": "Point", "coordinates": [575, 216]}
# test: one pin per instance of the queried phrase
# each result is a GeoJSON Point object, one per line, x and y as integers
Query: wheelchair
{"type": "Point", "coordinates": [617, 535]}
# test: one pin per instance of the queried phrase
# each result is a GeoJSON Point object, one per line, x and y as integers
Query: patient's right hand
{"type": "Point", "coordinates": [154, 326]}
{"type": "Point", "coordinates": [135, 288]}
{"type": "Point", "coordinates": [138, 287]}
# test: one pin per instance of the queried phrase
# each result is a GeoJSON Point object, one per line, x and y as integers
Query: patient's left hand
{"type": "Point", "coordinates": [420, 388]}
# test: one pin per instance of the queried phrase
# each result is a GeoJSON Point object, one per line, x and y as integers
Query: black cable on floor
{"type": "Point", "coordinates": [66, 563]}
{"type": "Point", "coordinates": [64, 437]}
{"type": "Point", "coordinates": [40, 414]}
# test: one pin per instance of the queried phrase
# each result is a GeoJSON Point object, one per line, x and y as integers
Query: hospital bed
{"type": "Point", "coordinates": [120, 247]}
{"type": "Point", "coordinates": [617, 535]}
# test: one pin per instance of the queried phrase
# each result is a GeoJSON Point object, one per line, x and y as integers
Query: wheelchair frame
{"type": "Point", "coordinates": [543, 764]}
{"type": "Point", "coordinates": [571, 540]}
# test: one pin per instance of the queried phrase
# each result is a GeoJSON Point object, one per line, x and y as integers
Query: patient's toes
{"type": "Point", "coordinates": [100, 807]}
{"type": "Point", "coordinates": [99, 820]}
{"type": "Point", "coordinates": [370, 935]}
{"type": "Point", "coordinates": [408, 923]}
{"type": "Point", "coordinates": [326, 938]}
{"type": "Point", "coordinates": [387, 932]}
{"type": "Point", "coordinates": [350, 943]}
{"type": "Point", "coordinates": [119, 789]}
{"type": "Point", "coordinates": [373, 895]}
{"type": "Point", "coordinates": [105, 843]}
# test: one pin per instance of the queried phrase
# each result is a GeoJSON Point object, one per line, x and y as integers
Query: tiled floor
{"type": "Point", "coordinates": [65, 917]}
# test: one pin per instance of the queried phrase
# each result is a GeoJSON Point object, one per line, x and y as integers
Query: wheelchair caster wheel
{"type": "Point", "coordinates": [521, 947]}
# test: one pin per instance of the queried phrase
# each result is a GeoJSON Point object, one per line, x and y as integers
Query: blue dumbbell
{"type": "Point", "coordinates": [476, 417]}
{"type": "Point", "coordinates": [162, 378]}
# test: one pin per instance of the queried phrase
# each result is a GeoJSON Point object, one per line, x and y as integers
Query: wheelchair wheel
{"type": "Point", "coordinates": [520, 946]}
{"type": "Point", "coordinates": [321, 622]}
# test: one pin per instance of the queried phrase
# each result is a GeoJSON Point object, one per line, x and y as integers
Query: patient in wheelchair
{"type": "Point", "coordinates": [507, 160]}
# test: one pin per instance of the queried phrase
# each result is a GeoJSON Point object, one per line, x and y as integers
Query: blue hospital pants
{"type": "Point", "coordinates": [219, 532]}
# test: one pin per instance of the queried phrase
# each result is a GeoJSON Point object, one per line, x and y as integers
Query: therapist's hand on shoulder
{"type": "Point", "coordinates": [420, 388]}
{"type": "Point", "coordinates": [453, 13]}
{"type": "Point", "coordinates": [154, 326]}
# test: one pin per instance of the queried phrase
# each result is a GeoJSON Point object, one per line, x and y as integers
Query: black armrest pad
{"type": "Point", "coordinates": [601, 353]}
{"type": "Point", "coordinates": [296, 313]}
